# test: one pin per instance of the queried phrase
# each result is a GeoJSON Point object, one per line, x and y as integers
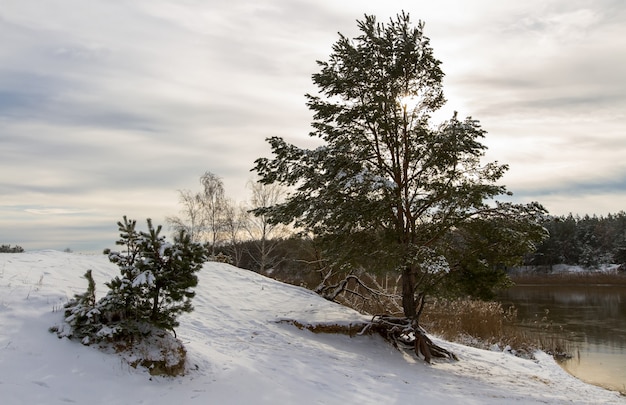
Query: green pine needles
{"type": "Point", "coordinates": [154, 287]}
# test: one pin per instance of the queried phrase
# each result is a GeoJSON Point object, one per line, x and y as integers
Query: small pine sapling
{"type": "Point", "coordinates": [153, 288]}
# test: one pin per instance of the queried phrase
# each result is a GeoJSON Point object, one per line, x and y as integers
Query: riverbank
{"type": "Point", "coordinates": [568, 275]}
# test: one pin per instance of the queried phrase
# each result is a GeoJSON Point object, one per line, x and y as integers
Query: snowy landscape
{"type": "Point", "coordinates": [242, 348]}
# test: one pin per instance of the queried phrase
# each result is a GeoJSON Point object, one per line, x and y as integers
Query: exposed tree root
{"type": "Point", "coordinates": [403, 332]}
{"type": "Point", "coordinates": [400, 332]}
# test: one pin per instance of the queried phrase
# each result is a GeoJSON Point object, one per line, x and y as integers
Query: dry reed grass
{"type": "Point", "coordinates": [479, 319]}
{"type": "Point", "coordinates": [486, 324]}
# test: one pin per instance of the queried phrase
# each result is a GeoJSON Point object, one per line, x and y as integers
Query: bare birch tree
{"type": "Point", "coordinates": [213, 203]}
{"type": "Point", "coordinates": [191, 219]}
{"type": "Point", "coordinates": [264, 233]}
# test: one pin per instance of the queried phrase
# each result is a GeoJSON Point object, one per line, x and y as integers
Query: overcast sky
{"type": "Point", "coordinates": [107, 108]}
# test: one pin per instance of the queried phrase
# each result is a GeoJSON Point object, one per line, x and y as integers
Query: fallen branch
{"type": "Point", "coordinates": [331, 292]}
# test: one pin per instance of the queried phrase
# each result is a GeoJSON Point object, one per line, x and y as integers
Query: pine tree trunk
{"type": "Point", "coordinates": [408, 293]}
{"type": "Point", "coordinates": [155, 304]}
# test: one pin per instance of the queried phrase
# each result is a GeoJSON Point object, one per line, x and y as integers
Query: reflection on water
{"type": "Point", "coordinates": [593, 318]}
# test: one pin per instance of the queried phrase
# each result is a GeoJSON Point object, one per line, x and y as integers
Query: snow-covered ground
{"type": "Point", "coordinates": [238, 352]}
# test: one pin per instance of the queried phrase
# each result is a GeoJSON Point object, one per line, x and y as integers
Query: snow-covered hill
{"type": "Point", "coordinates": [239, 352]}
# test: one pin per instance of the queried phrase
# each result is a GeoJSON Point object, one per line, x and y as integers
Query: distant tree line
{"type": "Point", "coordinates": [587, 241]}
{"type": "Point", "coordinates": [11, 249]}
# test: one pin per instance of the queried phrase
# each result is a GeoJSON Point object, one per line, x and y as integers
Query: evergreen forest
{"type": "Point", "coordinates": [587, 241]}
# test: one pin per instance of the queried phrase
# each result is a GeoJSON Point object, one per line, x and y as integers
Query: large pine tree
{"type": "Point", "coordinates": [387, 187]}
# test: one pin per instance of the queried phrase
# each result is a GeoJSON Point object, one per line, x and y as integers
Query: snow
{"type": "Point", "coordinates": [239, 352]}
{"type": "Point", "coordinates": [144, 278]}
{"type": "Point", "coordinates": [566, 268]}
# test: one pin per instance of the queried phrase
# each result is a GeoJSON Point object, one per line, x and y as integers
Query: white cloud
{"type": "Point", "coordinates": [110, 107]}
{"type": "Point", "coordinates": [54, 211]}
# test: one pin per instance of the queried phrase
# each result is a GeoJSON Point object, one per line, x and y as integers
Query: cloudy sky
{"type": "Point", "coordinates": [108, 107]}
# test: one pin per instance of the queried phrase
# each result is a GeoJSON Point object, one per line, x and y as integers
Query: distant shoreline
{"type": "Point", "coordinates": [541, 275]}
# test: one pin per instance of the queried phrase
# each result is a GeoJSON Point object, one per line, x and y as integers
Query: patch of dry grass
{"type": "Point", "coordinates": [479, 319]}
{"type": "Point", "coordinates": [485, 324]}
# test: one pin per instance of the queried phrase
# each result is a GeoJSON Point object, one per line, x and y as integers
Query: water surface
{"type": "Point", "coordinates": [592, 319]}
